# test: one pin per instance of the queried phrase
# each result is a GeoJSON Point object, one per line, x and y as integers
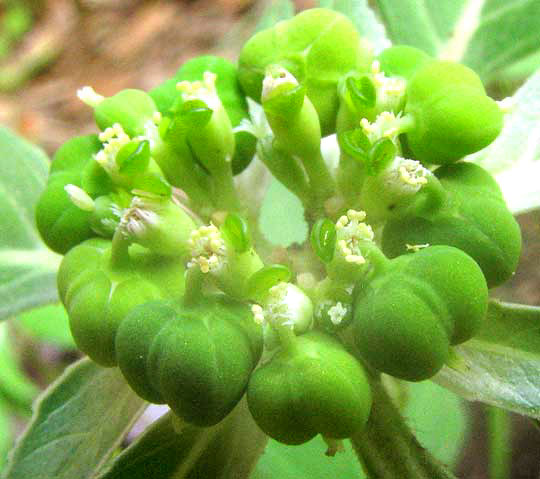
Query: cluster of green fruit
{"type": "Point", "coordinates": [187, 309]}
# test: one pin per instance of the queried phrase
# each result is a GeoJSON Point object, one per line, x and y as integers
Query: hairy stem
{"type": "Point", "coordinates": [387, 448]}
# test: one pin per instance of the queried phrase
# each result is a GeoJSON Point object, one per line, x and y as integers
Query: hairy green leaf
{"type": "Point", "coordinates": [514, 157]}
{"type": "Point", "coordinates": [487, 35]}
{"type": "Point", "coordinates": [77, 424]}
{"type": "Point", "coordinates": [501, 365]}
{"type": "Point", "coordinates": [282, 217]}
{"type": "Point", "coordinates": [27, 267]}
{"type": "Point", "coordinates": [49, 323]}
{"type": "Point", "coordinates": [170, 449]}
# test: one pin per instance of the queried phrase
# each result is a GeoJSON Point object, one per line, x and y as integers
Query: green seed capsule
{"type": "Point", "coordinates": [475, 220]}
{"type": "Point", "coordinates": [98, 296]}
{"type": "Point", "coordinates": [197, 359]}
{"type": "Point", "coordinates": [315, 387]}
{"type": "Point", "coordinates": [407, 317]}
{"type": "Point", "coordinates": [453, 115]}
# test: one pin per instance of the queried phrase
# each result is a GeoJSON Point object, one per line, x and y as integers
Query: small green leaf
{"type": "Point", "coordinates": [381, 154]}
{"type": "Point", "coordinates": [134, 157]}
{"type": "Point", "coordinates": [285, 101]}
{"type": "Point", "coordinates": [27, 267]}
{"type": "Point", "coordinates": [236, 232]}
{"type": "Point", "coordinates": [362, 92]}
{"type": "Point", "coordinates": [500, 365]}
{"type": "Point", "coordinates": [323, 239]}
{"type": "Point", "coordinates": [78, 422]}
{"type": "Point", "coordinates": [195, 113]}
{"type": "Point", "coordinates": [261, 281]}
{"type": "Point", "coordinates": [152, 183]}
{"type": "Point", "coordinates": [356, 144]}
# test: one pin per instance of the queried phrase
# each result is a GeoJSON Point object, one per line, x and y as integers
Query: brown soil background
{"type": "Point", "coordinates": [116, 44]}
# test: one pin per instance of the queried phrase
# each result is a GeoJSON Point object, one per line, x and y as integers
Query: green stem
{"type": "Point", "coordinates": [434, 197]}
{"type": "Point", "coordinates": [499, 429]}
{"type": "Point", "coordinates": [194, 284]}
{"type": "Point", "coordinates": [225, 191]}
{"type": "Point", "coordinates": [119, 249]}
{"type": "Point", "coordinates": [235, 450]}
{"type": "Point", "coordinates": [388, 450]}
{"type": "Point", "coordinates": [321, 182]}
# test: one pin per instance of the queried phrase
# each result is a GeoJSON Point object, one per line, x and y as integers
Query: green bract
{"type": "Point", "coordinates": [98, 295]}
{"type": "Point", "coordinates": [314, 387]}
{"type": "Point", "coordinates": [402, 60]}
{"type": "Point", "coordinates": [60, 222]}
{"type": "Point", "coordinates": [317, 47]}
{"type": "Point", "coordinates": [131, 108]}
{"type": "Point", "coordinates": [453, 116]}
{"type": "Point", "coordinates": [408, 316]}
{"type": "Point", "coordinates": [474, 219]}
{"type": "Point", "coordinates": [230, 94]}
{"type": "Point", "coordinates": [197, 359]}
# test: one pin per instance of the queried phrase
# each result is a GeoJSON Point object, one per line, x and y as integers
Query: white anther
{"type": "Point", "coordinates": [79, 198]}
{"type": "Point", "coordinates": [89, 96]}
{"type": "Point", "coordinates": [204, 90]}
{"type": "Point", "coordinates": [336, 313]}
{"type": "Point", "coordinates": [351, 231]}
{"type": "Point", "coordinates": [416, 247]}
{"type": "Point", "coordinates": [208, 249]}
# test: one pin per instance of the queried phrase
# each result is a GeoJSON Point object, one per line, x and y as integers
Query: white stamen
{"type": "Point", "coordinates": [351, 231]}
{"type": "Point", "coordinates": [208, 249]}
{"type": "Point", "coordinates": [79, 197]}
{"type": "Point", "coordinates": [89, 96]}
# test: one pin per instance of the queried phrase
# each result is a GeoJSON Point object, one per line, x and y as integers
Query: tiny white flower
{"type": "Point", "coordinates": [351, 231]}
{"type": "Point", "coordinates": [208, 249]}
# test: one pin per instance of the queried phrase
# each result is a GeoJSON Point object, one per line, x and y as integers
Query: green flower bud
{"type": "Point", "coordinates": [298, 45]}
{"type": "Point", "coordinates": [475, 219]}
{"type": "Point", "coordinates": [97, 295]}
{"type": "Point", "coordinates": [197, 359]}
{"type": "Point", "coordinates": [453, 116]}
{"type": "Point", "coordinates": [316, 387]}
{"type": "Point", "coordinates": [290, 113]}
{"type": "Point", "coordinates": [209, 129]}
{"type": "Point", "coordinates": [408, 316]}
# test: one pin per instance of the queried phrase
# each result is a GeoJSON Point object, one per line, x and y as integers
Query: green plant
{"type": "Point", "coordinates": [196, 305]}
